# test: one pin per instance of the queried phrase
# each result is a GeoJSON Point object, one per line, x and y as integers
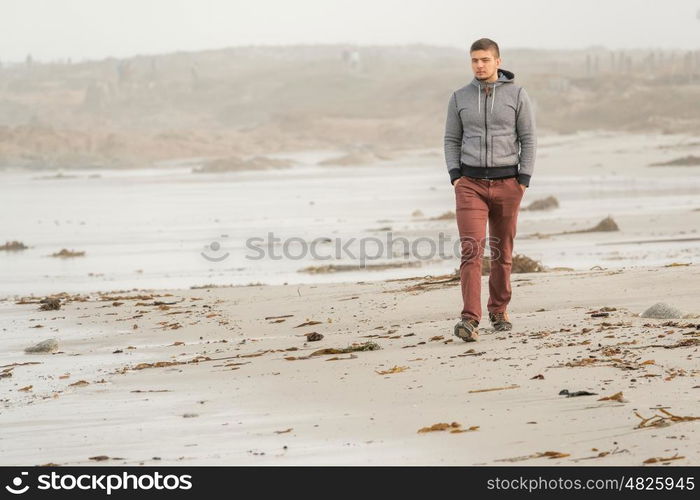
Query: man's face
{"type": "Point", "coordinates": [485, 64]}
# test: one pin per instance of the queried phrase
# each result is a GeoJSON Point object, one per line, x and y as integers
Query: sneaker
{"type": "Point", "coordinates": [500, 321]}
{"type": "Point", "coordinates": [466, 329]}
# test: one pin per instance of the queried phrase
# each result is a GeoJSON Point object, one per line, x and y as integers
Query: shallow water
{"type": "Point", "coordinates": [168, 227]}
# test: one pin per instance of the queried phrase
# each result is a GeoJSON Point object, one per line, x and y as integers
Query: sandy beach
{"type": "Point", "coordinates": [132, 188]}
{"type": "Point", "coordinates": [228, 376]}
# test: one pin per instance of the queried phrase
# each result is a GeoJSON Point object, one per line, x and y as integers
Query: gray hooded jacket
{"type": "Point", "coordinates": [490, 131]}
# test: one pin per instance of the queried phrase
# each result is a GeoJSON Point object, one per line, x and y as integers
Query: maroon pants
{"type": "Point", "coordinates": [479, 200]}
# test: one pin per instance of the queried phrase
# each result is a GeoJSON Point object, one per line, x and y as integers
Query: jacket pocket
{"type": "Point", "coordinates": [504, 150]}
{"type": "Point", "coordinates": [471, 150]}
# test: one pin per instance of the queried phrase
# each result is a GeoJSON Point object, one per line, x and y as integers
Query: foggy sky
{"type": "Point", "coordinates": [95, 29]}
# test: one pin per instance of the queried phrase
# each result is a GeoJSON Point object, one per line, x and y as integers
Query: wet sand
{"type": "Point", "coordinates": [227, 376]}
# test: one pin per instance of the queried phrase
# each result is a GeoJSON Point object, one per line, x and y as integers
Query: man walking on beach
{"type": "Point", "coordinates": [489, 133]}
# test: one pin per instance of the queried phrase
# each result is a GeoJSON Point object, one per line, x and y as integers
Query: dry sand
{"type": "Point", "coordinates": [242, 402]}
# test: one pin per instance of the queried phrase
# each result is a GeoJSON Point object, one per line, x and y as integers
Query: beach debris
{"type": "Point", "coordinates": [606, 224]}
{"type": "Point", "coordinates": [79, 383]}
{"type": "Point", "coordinates": [470, 352]}
{"type": "Point", "coordinates": [284, 431]}
{"type": "Point", "coordinates": [165, 325]}
{"type": "Point", "coordinates": [681, 343]}
{"type": "Point", "coordinates": [50, 304]}
{"type": "Point", "coordinates": [45, 346]}
{"type": "Point", "coordinates": [164, 306]}
{"type": "Point", "coordinates": [655, 460]}
{"type": "Point", "coordinates": [113, 298]}
{"type": "Point", "coordinates": [21, 364]}
{"type": "Point", "coordinates": [63, 296]}
{"type": "Point", "coordinates": [234, 366]}
{"type": "Point", "coordinates": [278, 317]}
{"type": "Point", "coordinates": [661, 420]}
{"type": "Point", "coordinates": [580, 362]}
{"type": "Point", "coordinates": [543, 454]}
{"type": "Point", "coordinates": [602, 454]}
{"type": "Point", "coordinates": [7, 372]}
{"type": "Point", "coordinates": [254, 354]}
{"type": "Point", "coordinates": [163, 364]}
{"type": "Point", "coordinates": [65, 253]}
{"type": "Point", "coordinates": [99, 458]}
{"type": "Point", "coordinates": [662, 310]}
{"type": "Point", "coordinates": [615, 397]}
{"type": "Point", "coordinates": [334, 268]}
{"type": "Point", "coordinates": [336, 358]}
{"type": "Point", "coordinates": [441, 281]}
{"type": "Point", "coordinates": [365, 346]}
{"type": "Point", "coordinates": [190, 415]}
{"type": "Point", "coordinates": [575, 394]}
{"type": "Point", "coordinates": [495, 389]}
{"type": "Point", "coordinates": [26, 388]}
{"type": "Point", "coordinates": [314, 336]}
{"type": "Point", "coordinates": [454, 428]}
{"type": "Point", "coordinates": [308, 323]}
{"type": "Point", "coordinates": [537, 377]}
{"type": "Point", "coordinates": [13, 246]}
{"type": "Point", "coordinates": [281, 320]}
{"type": "Point", "coordinates": [603, 312]}
{"type": "Point", "coordinates": [524, 264]}
{"type": "Point", "coordinates": [209, 285]}
{"type": "Point", "coordinates": [394, 369]}
{"type": "Point", "coordinates": [547, 203]}
{"type": "Point", "coordinates": [468, 429]}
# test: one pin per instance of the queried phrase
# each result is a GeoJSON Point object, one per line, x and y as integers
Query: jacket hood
{"type": "Point", "coordinates": [504, 76]}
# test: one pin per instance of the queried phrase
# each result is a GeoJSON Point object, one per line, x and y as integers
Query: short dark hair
{"type": "Point", "coordinates": [485, 44]}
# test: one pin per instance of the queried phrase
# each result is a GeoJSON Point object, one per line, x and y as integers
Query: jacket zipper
{"type": "Point", "coordinates": [486, 130]}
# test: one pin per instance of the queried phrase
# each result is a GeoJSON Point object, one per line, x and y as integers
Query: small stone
{"type": "Point", "coordinates": [661, 310]}
{"type": "Point", "coordinates": [50, 305]}
{"type": "Point", "coordinates": [44, 346]}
